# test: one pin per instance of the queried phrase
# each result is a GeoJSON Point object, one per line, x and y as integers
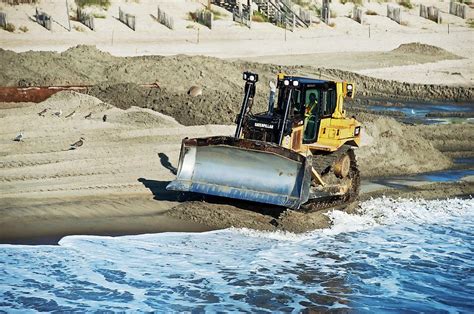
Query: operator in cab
{"type": "Point", "coordinates": [311, 109]}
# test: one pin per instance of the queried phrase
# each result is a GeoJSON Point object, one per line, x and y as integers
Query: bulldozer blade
{"type": "Point", "coordinates": [243, 169]}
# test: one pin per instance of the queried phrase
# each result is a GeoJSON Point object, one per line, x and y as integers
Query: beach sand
{"type": "Point", "coordinates": [115, 183]}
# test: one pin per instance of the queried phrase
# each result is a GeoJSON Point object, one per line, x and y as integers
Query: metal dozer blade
{"type": "Point", "coordinates": [246, 169]}
{"type": "Point", "coordinates": [243, 169]}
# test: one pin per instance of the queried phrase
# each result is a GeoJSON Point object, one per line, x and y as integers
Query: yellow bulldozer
{"type": "Point", "coordinates": [297, 154]}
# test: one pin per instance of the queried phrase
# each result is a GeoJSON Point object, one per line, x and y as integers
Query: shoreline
{"type": "Point", "coordinates": [152, 216]}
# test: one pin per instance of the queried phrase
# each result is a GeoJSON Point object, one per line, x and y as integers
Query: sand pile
{"type": "Point", "coordinates": [385, 88]}
{"type": "Point", "coordinates": [217, 214]}
{"type": "Point", "coordinates": [69, 101]}
{"type": "Point", "coordinates": [454, 140]}
{"type": "Point", "coordinates": [71, 105]}
{"type": "Point", "coordinates": [217, 107]}
{"type": "Point", "coordinates": [419, 48]}
{"type": "Point", "coordinates": [86, 65]}
{"type": "Point", "coordinates": [142, 117]}
{"type": "Point", "coordinates": [389, 148]}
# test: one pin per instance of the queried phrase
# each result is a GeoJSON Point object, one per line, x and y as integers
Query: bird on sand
{"type": "Point", "coordinates": [104, 118]}
{"type": "Point", "coordinates": [58, 113]}
{"type": "Point", "coordinates": [71, 114]}
{"type": "Point", "coordinates": [42, 112]}
{"type": "Point", "coordinates": [77, 144]}
{"type": "Point", "coordinates": [19, 137]}
{"type": "Point", "coordinates": [88, 116]}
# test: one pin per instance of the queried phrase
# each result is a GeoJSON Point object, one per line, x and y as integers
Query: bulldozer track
{"type": "Point", "coordinates": [335, 202]}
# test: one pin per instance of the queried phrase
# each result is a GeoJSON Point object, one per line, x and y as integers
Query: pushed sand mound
{"type": "Point", "coordinates": [389, 148]}
{"type": "Point", "coordinates": [419, 48]}
{"type": "Point", "coordinates": [213, 107]}
{"type": "Point", "coordinates": [86, 65]}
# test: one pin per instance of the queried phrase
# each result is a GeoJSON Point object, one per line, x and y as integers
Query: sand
{"type": "Point", "coordinates": [326, 46]}
{"type": "Point", "coordinates": [389, 148]}
{"type": "Point", "coordinates": [115, 80]}
{"type": "Point", "coordinates": [115, 183]}
{"type": "Point", "coordinates": [119, 158]}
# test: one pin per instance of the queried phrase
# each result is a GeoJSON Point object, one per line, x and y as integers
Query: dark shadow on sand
{"type": "Point", "coordinates": [165, 162]}
{"type": "Point", "coordinates": [159, 191]}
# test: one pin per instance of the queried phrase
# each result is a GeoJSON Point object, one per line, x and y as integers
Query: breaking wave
{"type": "Point", "coordinates": [393, 255]}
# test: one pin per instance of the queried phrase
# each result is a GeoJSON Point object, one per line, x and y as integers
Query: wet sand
{"type": "Point", "coordinates": [46, 221]}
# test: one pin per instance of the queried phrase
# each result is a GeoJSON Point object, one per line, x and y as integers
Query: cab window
{"type": "Point", "coordinates": [294, 101]}
{"type": "Point", "coordinates": [328, 102]}
{"type": "Point", "coordinates": [311, 101]}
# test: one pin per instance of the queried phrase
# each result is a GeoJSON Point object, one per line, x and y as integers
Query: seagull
{"type": "Point", "coordinates": [104, 118]}
{"type": "Point", "coordinates": [71, 114]}
{"type": "Point", "coordinates": [88, 116]}
{"type": "Point", "coordinates": [42, 112]}
{"type": "Point", "coordinates": [77, 144]}
{"type": "Point", "coordinates": [19, 137]}
{"type": "Point", "coordinates": [58, 113]}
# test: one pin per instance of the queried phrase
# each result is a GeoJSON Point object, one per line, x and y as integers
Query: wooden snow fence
{"type": "Point", "coordinates": [164, 18]}
{"type": "Point", "coordinates": [127, 19]}
{"type": "Point", "coordinates": [431, 13]}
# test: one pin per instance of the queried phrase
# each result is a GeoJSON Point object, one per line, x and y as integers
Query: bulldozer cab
{"type": "Point", "coordinates": [306, 106]}
{"type": "Point", "coordinates": [311, 101]}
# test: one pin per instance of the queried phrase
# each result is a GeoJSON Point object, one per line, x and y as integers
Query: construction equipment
{"type": "Point", "coordinates": [297, 154]}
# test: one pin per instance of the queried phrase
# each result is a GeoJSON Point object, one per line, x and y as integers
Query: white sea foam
{"type": "Point", "coordinates": [387, 211]}
{"type": "Point", "coordinates": [392, 255]}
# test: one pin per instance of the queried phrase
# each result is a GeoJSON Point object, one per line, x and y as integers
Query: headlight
{"type": "Point", "coordinates": [349, 87]}
{"type": "Point", "coordinates": [286, 82]}
{"type": "Point", "coordinates": [245, 76]}
{"type": "Point", "coordinates": [357, 131]}
{"type": "Point", "coordinates": [296, 83]}
{"type": "Point", "coordinates": [252, 78]}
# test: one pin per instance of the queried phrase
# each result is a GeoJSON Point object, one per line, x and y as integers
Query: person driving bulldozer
{"type": "Point", "coordinates": [311, 106]}
{"type": "Point", "coordinates": [309, 117]}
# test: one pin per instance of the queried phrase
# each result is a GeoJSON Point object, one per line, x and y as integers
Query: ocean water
{"type": "Point", "coordinates": [394, 256]}
{"type": "Point", "coordinates": [416, 112]}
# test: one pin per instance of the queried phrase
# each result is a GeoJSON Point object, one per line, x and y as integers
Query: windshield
{"type": "Point", "coordinates": [295, 102]}
{"type": "Point", "coordinates": [312, 99]}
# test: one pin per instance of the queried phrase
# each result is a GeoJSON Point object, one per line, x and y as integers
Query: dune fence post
{"type": "Point", "coordinates": [3, 20]}
{"type": "Point", "coordinates": [431, 13]}
{"type": "Point", "coordinates": [205, 18]}
{"type": "Point", "coordinates": [357, 14]}
{"type": "Point", "coordinates": [164, 18]}
{"type": "Point", "coordinates": [325, 12]}
{"type": "Point", "coordinates": [394, 13]}
{"type": "Point", "coordinates": [43, 19]}
{"type": "Point", "coordinates": [86, 19]}
{"type": "Point", "coordinates": [459, 9]}
{"type": "Point", "coordinates": [127, 19]}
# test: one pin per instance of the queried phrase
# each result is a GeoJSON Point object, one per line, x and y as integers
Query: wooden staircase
{"type": "Point", "coordinates": [279, 12]}
{"type": "Point", "coordinates": [229, 5]}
